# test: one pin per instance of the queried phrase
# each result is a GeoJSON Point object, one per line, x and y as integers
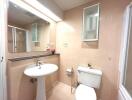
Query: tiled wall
{"type": "Point", "coordinates": [103, 54]}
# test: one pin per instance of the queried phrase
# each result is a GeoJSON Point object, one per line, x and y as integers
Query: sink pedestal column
{"type": "Point", "coordinates": [41, 94]}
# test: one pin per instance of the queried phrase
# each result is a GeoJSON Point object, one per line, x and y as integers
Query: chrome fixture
{"type": "Point", "coordinates": [39, 63]}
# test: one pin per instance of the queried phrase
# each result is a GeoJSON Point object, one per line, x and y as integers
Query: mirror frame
{"type": "Point", "coordinates": [27, 7]}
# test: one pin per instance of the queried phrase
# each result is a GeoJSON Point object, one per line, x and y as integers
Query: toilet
{"type": "Point", "coordinates": [88, 79]}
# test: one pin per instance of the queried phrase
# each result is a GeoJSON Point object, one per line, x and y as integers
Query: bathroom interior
{"type": "Point", "coordinates": [65, 50]}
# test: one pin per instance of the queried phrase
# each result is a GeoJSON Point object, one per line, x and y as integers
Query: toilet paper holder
{"type": "Point", "coordinates": [69, 71]}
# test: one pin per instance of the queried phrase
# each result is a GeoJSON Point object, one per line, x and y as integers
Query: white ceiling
{"type": "Point", "coordinates": [69, 4]}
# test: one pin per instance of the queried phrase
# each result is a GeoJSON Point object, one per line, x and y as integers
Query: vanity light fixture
{"type": "Point", "coordinates": [40, 7]}
{"type": "Point", "coordinates": [29, 8]}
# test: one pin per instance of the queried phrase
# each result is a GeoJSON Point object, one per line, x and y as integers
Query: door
{"type": "Point", "coordinates": [127, 79]}
{"type": "Point", "coordinates": [3, 31]}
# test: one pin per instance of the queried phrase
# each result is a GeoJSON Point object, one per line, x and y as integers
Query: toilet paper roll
{"type": "Point", "coordinates": [69, 71]}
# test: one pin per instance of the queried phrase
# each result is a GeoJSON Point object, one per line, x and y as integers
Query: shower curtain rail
{"type": "Point", "coordinates": [17, 27]}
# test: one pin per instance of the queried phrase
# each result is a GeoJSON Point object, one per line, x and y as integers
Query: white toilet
{"type": "Point", "coordinates": [88, 80]}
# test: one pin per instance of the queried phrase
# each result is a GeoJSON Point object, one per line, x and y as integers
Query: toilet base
{"type": "Point", "coordinates": [84, 92]}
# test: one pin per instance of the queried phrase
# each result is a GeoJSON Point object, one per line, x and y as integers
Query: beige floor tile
{"type": "Point", "coordinates": [61, 92]}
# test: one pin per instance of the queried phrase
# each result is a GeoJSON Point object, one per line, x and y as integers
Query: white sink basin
{"type": "Point", "coordinates": [39, 72]}
{"type": "Point", "coordinates": [42, 70]}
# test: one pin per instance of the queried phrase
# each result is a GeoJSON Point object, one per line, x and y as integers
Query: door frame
{"type": "Point", "coordinates": [123, 93]}
{"type": "Point", "coordinates": [3, 50]}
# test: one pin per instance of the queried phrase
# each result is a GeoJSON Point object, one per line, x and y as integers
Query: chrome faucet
{"type": "Point", "coordinates": [39, 63]}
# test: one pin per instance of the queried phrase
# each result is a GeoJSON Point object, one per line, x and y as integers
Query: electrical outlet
{"type": "Point", "coordinates": [65, 44]}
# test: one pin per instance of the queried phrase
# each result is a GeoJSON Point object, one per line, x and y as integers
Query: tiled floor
{"type": "Point", "coordinates": [61, 92]}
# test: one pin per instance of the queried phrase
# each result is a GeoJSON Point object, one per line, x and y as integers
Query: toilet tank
{"type": "Point", "coordinates": [89, 77]}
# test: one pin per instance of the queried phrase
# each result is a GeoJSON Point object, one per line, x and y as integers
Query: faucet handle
{"type": "Point", "coordinates": [40, 61]}
{"type": "Point", "coordinates": [89, 65]}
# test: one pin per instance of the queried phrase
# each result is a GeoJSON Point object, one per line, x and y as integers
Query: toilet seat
{"type": "Point", "coordinates": [84, 92]}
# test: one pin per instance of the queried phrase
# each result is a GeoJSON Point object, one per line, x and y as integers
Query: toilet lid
{"type": "Point", "coordinates": [84, 92]}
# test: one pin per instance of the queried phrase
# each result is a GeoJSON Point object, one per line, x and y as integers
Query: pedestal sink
{"type": "Point", "coordinates": [40, 72]}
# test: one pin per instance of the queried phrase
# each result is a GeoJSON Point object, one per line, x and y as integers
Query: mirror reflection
{"type": "Point", "coordinates": [26, 31]}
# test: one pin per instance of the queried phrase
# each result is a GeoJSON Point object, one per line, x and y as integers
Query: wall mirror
{"type": "Point", "coordinates": [90, 23]}
{"type": "Point", "coordinates": [27, 32]}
